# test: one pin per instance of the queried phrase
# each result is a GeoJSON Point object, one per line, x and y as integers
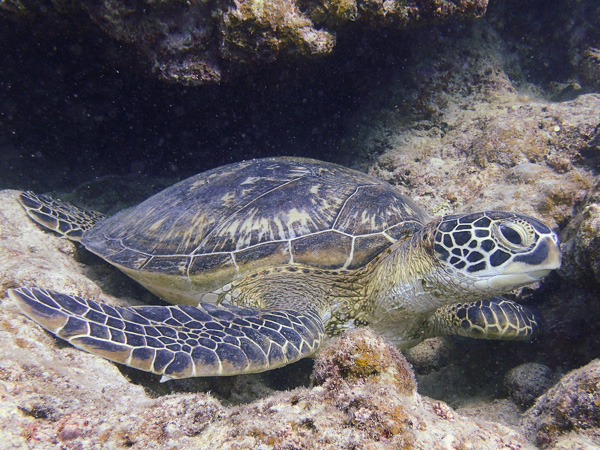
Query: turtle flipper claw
{"type": "Point", "coordinates": [178, 341]}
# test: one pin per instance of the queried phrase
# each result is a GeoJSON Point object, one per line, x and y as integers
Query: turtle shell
{"type": "Point", "coordinates": [225, 223]}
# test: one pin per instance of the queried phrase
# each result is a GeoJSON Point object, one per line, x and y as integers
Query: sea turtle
{"type": "Point", "coordinates": [264, 259]}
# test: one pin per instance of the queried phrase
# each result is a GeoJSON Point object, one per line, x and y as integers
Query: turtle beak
{"type": "Point", "coordinates": [540, 262]}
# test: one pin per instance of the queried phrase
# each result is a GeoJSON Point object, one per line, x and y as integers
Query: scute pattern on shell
{"type": "Point", "coordinates": [256, 214]}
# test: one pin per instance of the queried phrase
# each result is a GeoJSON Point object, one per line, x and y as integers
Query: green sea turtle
{"type": "Point", "coordinates": [264, 259]}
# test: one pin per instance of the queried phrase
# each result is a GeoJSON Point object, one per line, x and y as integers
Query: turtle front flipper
{"type": "Point", "coordinates": [495, 318]}
{"type": "Point", "coordinates": [59, 216]}
{"type": "Point", "coordinates": [178, 341]}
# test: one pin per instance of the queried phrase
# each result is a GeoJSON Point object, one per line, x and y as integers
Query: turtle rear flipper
{"type": "Point", "coordinates": [177, 341]}
{"type": "Point", "coordinates": [495, 318]}
{"type": "Point", "coordinates": [59, 216]}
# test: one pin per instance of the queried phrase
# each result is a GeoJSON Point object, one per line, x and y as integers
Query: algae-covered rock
{"type": "Point", "coordinates": [371, 405]}
{"type": "Point", "coordinates": [361, 354]}
{"type": "Point", "coordinates": [457, 132]}
{"type": "Point", "coordinates": [394, 12]}
{"type": "Point", "coordinates": [555, 48]}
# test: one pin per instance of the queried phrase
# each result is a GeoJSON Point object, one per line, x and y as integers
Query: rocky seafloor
{"type": "Point", "coordinates": [502, 112]}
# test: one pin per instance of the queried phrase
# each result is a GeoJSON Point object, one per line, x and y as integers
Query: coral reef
{"type": "Point", "coordinates": [194, 43]}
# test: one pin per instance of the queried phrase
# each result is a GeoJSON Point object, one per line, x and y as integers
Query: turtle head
{"type": "Point", "coordinates": [496, 251]}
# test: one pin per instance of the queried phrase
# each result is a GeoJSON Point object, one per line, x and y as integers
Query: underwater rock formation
{"type": "Point", "coordinates": [475, 136]}
{"type": "Point", "coordinates": [194, 43]}
{"type": "Point", "coordinates": [526, 382]}
{"type": "Point", "coordinates": [29, 258]}
{"type": "Point", "coordinates": [359, 355]}
{"type": "Point", "coordinates": [560, 50]}
{"type": "Point", "coordinates": [581, 243]}
{"type": "Point", "coordinates": [572, 405]}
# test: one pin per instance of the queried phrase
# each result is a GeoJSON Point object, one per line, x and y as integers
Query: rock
{"type": "Point", "coordinates": [474, 139]}
{"type": "Point", "coordinates": [372, 404]}
{"type": "Point", "coordinates": [527, 382]}
{"type": "Point", "coordinates": [589, 67]}
{"type": "Point", "coordinates": [573, 404]}
{"type": "Point", "coordinates": [431, 354]}
{"type": "Point", "coordinates": [581, 243]}
{"type": "Point", "coordinates": [360, 354]}
{"type": "Point", "coordinates": [206, 42]}
{"type": "Point", "coordinates": [551, 46]}
{"type": "Point", "coordinates": [29, 256]}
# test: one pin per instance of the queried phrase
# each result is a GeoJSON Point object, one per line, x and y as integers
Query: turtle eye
{"type": "Point", "coordinates": [513, 236]}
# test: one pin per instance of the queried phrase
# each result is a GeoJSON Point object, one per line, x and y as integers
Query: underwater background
{"type": "Point", "coordinates": [462, 105]}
